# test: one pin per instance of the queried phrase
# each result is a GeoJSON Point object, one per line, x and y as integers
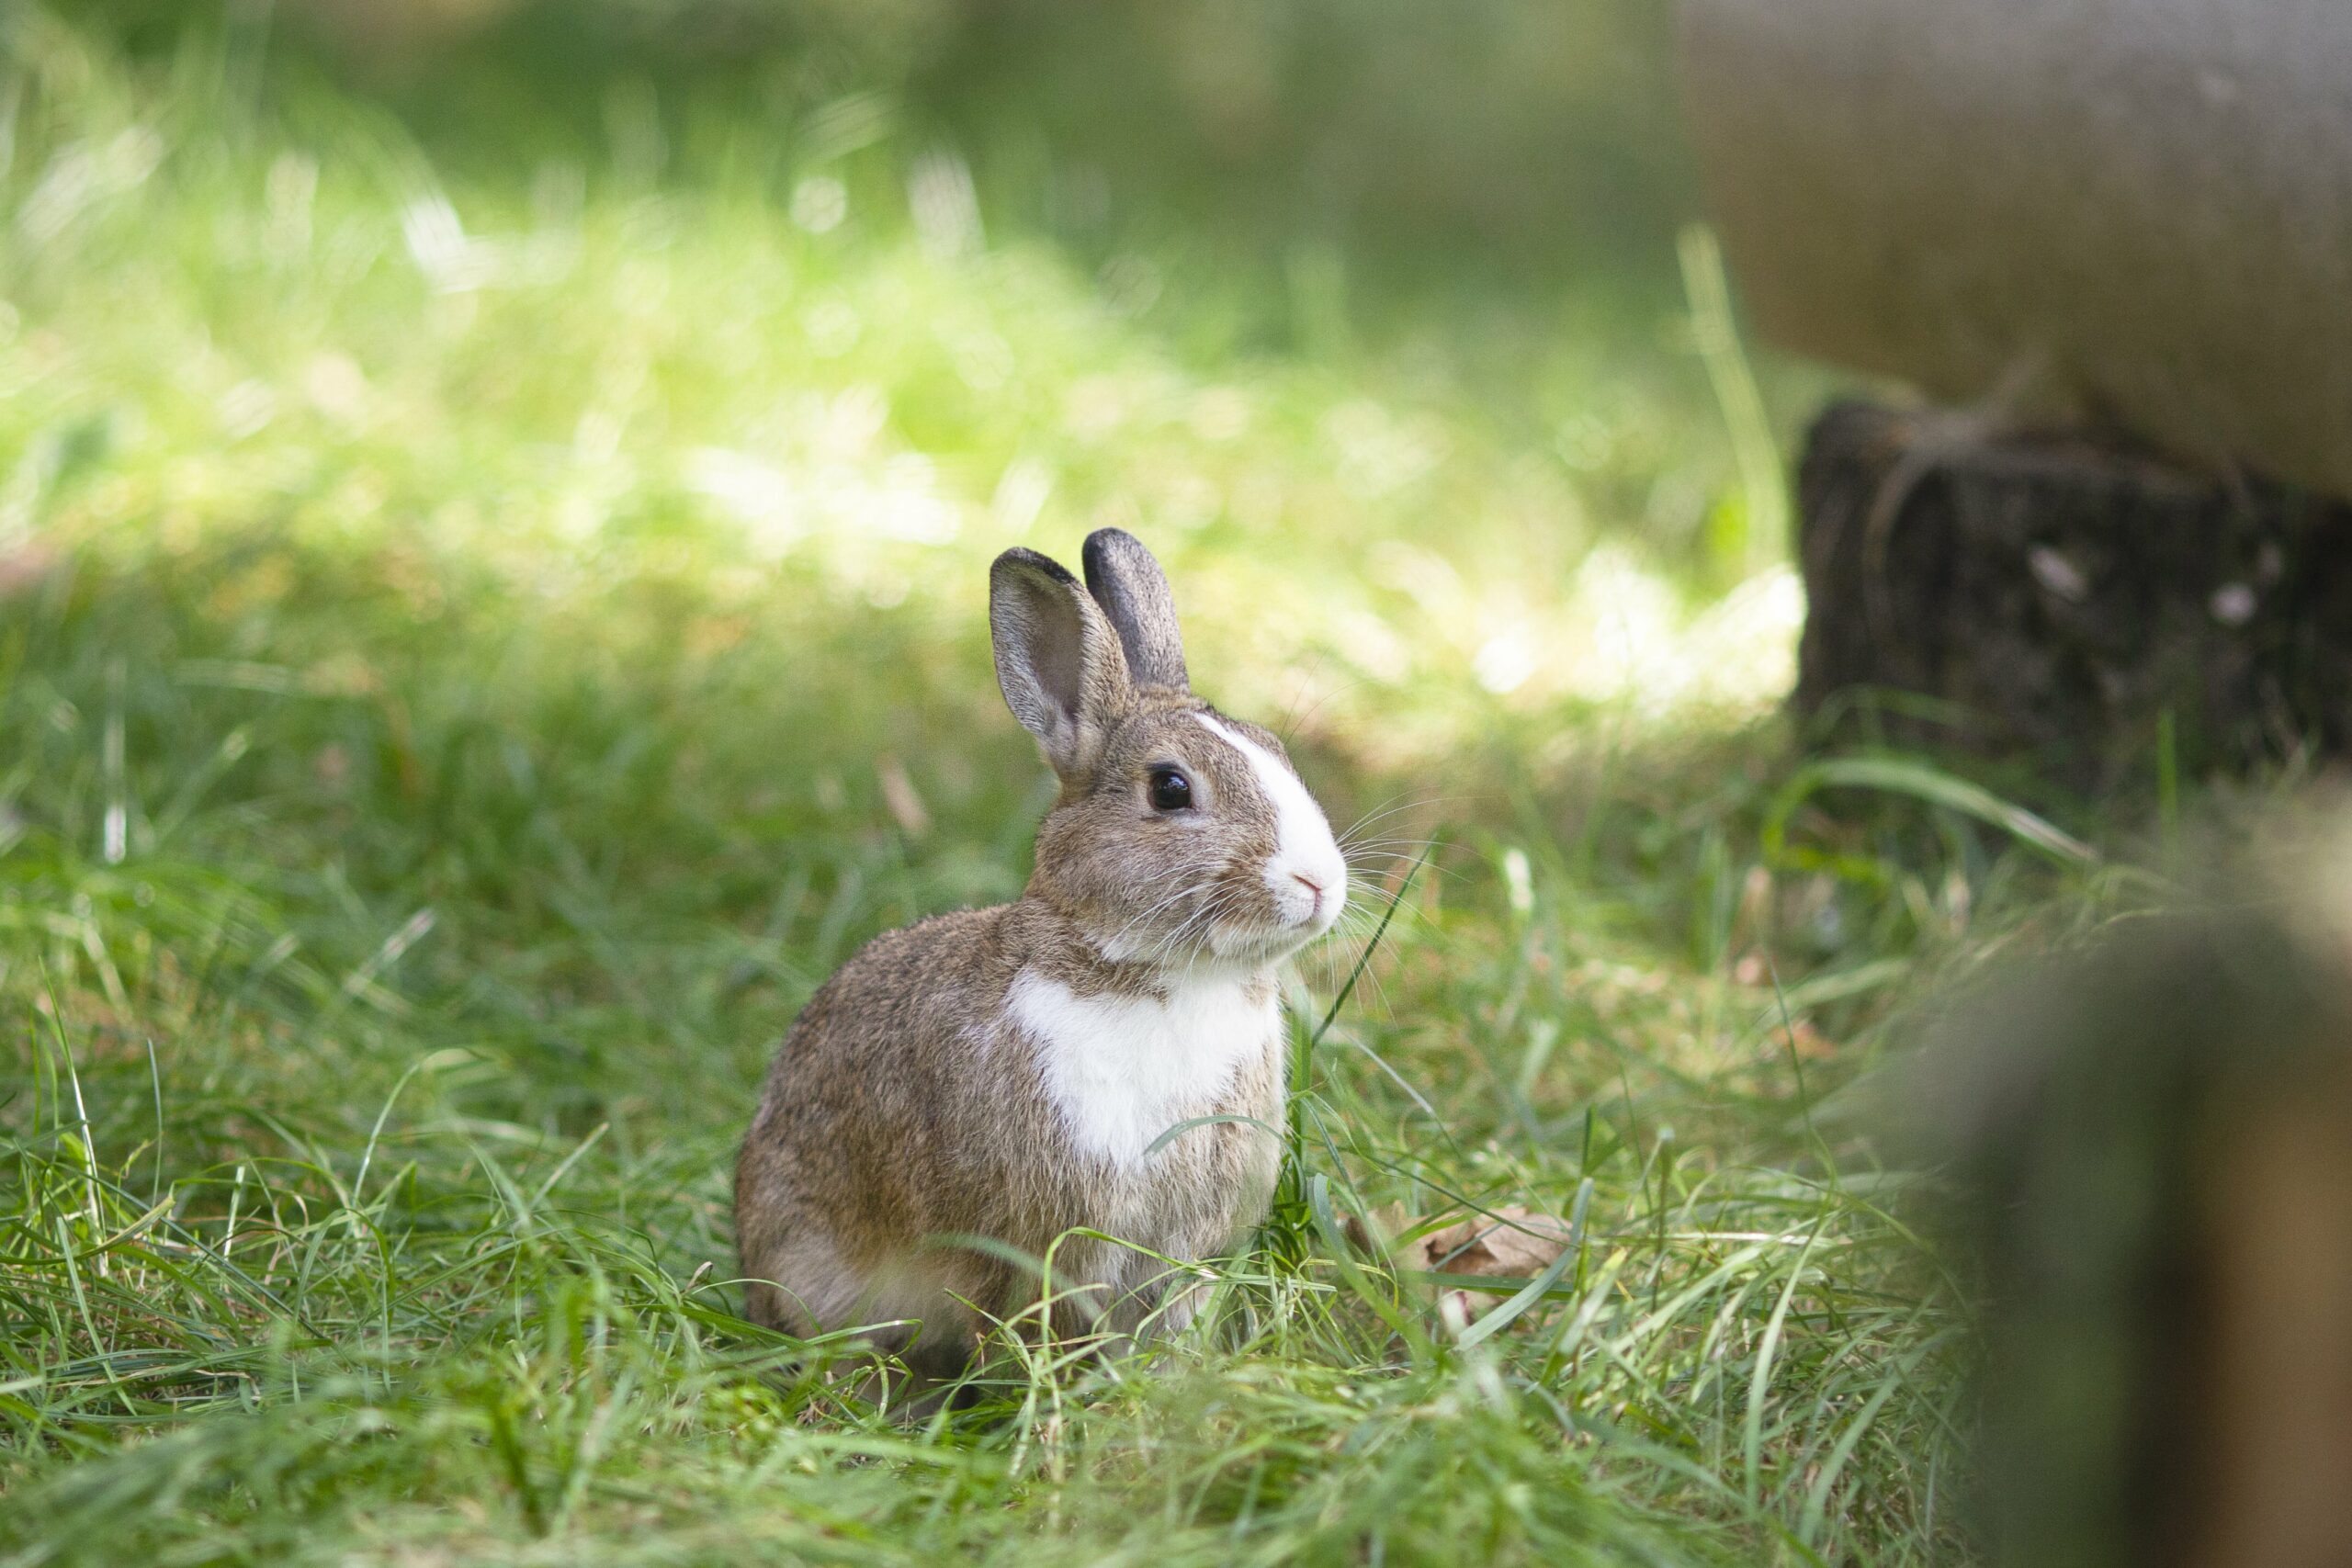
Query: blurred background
{"type": "Point", "coordinates": [495, 504]}
{"type": "Point", "coordinates": [867, 291]}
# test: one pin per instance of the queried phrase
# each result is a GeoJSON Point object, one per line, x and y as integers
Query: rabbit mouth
{"type": "Point", "coordinates": [1265, 942]}
{"type": "Point", "coordinates": [1239, 922]}
{"type": "Point", "coordinates": [1253, 944]}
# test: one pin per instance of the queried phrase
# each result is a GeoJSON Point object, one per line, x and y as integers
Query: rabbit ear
{"type": "Point", "coordinates": [1133, 592]}
{"type": "Point", "coordinates": [1057, 658]}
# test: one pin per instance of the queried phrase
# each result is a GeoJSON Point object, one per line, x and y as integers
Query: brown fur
{"type": "Point", "coordinates": [907, 1110]}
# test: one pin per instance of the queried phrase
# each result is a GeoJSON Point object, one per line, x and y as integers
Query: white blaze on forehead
{"type": "Point", "coordinates": [1302, 842]}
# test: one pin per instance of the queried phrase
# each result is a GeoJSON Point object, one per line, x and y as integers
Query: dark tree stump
{"type": "Point", "coordinates": [2052, 593]}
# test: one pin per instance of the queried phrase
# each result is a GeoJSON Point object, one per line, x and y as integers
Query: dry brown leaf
{"type": "Point", "coordinates": [1509, 1243]}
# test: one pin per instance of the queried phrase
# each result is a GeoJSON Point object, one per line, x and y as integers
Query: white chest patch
{"type": "Point", "coordinates": [1122, 1070]}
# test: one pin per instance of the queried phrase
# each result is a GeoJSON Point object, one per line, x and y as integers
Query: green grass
{"type": "Point", "coordinates": [456, 632]}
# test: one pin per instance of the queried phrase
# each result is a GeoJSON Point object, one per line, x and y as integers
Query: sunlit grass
{"type": "Point", "coordinates": [475, 655]}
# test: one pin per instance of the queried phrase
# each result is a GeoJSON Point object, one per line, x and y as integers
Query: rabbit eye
{"type": "Point", "coordinates": [1169, 790]}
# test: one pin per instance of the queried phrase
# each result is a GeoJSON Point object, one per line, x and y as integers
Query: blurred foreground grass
{"type": "Point", "coordinates": [475, 652]}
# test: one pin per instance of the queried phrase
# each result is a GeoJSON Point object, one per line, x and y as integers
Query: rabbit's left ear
{"type": "Point", "coordinates": [1133, 591]}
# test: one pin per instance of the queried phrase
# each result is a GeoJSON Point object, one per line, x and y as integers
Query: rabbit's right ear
{"type": "Point", "coordinates": [1057, 658]}
{"type": "Point", "coordinates": [1127, 582]}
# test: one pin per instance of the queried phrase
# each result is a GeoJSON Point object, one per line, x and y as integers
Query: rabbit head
{"type": "Point", "coordinates": [1180, 837]}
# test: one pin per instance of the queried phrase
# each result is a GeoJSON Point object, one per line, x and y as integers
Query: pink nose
{"type": "Point", "coordinates": [1312, 886]}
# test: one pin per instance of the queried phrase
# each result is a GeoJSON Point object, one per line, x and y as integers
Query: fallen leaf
{"type": "Point", "coordinates": [1510, 1242]}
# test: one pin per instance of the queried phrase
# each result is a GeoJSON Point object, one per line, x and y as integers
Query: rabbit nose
{"type": "Point", "coordinates": [1314, 888]}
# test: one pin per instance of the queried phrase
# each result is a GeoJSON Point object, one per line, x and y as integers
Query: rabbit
{"type": "Point", "coordinates": [974, 1088]}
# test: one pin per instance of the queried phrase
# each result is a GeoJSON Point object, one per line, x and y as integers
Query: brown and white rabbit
{"type": "Point", "coordinates": [1004, 1073]}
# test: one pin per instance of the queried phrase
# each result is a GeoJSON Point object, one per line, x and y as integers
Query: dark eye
{"type": "Point", "coordinates": [1170, 790]}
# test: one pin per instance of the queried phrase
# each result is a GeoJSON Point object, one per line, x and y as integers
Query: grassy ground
{"type": "Point", "coordinates": [477, 650]}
